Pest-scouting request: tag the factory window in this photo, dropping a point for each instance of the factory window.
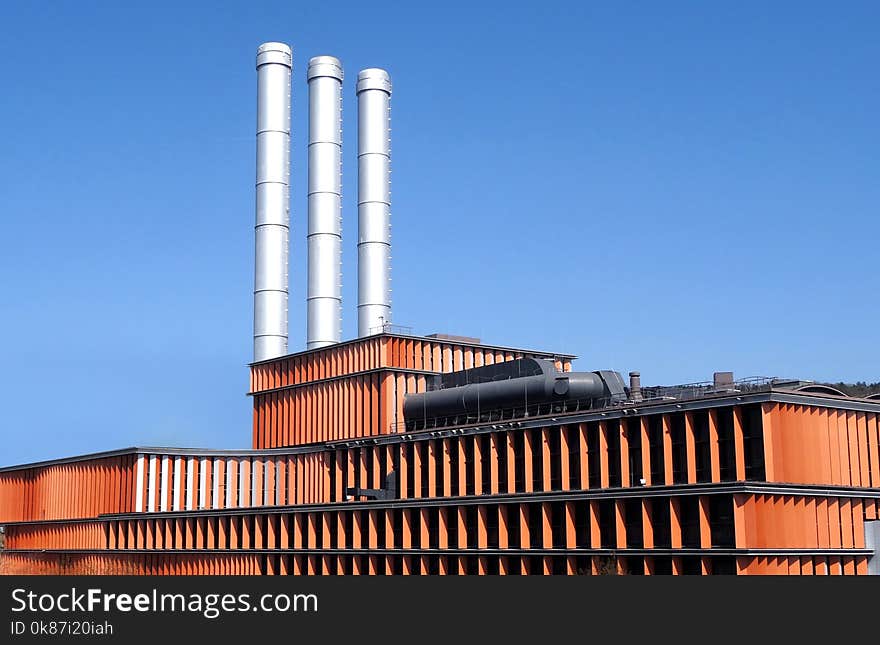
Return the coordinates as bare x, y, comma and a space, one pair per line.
406, 454
721, 520
700, 420
655, 443
469, 466
614, 454
433, 529
486, 461
753, 440
582, 524
557, 524
593, 459
663, 565
724, 566
383, 466
635, 565
679, 449
536, 526
395, 468
513, 520
333, 531
726, 444
471, 524
439, 461
415, 524
633, 522
607, 524
502, 461
633, 438
315, 519
583, 565
381, 529
355, 456
455, 486
691, 566
349, 529
574, 458
424, 457
559, 566
536, 564
492, 526
452, 525
689, 508
519, 461
553, 435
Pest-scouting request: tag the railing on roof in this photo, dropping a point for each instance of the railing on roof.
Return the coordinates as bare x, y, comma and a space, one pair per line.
388, 328
692, 391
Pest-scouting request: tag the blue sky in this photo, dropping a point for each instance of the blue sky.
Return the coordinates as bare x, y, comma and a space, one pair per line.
677, 187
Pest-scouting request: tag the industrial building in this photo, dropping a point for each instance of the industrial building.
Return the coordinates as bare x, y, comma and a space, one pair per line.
394, 453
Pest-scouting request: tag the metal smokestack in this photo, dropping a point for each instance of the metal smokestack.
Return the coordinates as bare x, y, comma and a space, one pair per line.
635, 386
324, 324
374, 200
274, 62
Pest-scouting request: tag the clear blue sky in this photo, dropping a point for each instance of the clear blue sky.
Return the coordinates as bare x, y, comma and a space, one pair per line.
676, 187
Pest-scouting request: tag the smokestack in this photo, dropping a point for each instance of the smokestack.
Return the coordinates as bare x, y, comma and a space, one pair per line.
324, 324
635, 386
274, 62
374, 200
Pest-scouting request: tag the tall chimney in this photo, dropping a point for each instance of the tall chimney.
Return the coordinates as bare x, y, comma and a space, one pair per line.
374, 200
274, 62
324, 324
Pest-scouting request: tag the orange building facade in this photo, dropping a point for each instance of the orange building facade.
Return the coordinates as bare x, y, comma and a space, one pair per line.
755, 480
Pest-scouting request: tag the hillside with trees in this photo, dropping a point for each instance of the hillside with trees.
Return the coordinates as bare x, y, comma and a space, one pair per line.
859, 389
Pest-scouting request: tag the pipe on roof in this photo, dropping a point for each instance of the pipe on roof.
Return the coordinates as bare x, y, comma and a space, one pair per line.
518, 384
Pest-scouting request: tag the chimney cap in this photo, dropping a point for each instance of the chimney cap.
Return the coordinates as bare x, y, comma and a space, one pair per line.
324, 66
374, 78
273, 52
635, 373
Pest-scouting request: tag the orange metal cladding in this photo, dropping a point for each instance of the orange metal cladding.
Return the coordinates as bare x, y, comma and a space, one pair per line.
820, 445
490, 490
68, 490
355, 389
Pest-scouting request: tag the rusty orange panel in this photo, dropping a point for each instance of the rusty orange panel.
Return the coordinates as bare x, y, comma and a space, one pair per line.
873, 449
478, 465
528, 463
862, 448
853, 448
690, 447
771, 441
511, 463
